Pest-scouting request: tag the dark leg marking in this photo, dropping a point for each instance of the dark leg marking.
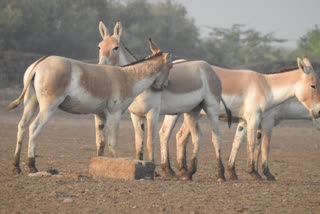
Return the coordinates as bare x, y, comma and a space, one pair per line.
101, 126
16, 168
32, 165
267, 172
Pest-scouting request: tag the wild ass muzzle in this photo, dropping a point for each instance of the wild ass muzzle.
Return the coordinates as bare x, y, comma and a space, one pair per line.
191, 86
79, 88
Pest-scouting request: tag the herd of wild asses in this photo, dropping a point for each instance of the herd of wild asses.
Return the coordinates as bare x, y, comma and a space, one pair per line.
157, 85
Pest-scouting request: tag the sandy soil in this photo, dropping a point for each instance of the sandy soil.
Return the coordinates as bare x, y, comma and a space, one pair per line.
67, 144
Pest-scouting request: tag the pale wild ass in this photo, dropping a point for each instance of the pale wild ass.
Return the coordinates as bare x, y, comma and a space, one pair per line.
288, 110
251, 97
191, 86
55, 82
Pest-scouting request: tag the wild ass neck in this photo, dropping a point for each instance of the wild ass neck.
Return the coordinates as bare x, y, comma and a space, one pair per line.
125, 56
281, 86
142, 74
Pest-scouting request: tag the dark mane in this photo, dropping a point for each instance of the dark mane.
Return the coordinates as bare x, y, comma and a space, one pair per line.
144, 59
125, 47
287, 69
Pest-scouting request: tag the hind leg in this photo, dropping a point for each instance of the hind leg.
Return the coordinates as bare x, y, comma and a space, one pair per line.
191, 120
182, 138
164, 135
30, 106
213, 114
46, 111
138, 125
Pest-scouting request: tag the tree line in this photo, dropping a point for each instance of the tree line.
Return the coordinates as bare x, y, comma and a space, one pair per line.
70, 28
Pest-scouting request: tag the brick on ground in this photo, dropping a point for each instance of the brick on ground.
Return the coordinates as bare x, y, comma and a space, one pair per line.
121, 168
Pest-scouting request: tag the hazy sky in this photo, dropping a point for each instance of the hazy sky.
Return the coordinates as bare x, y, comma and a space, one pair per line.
288, 19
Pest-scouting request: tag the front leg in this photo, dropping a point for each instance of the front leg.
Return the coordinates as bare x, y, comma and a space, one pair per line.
152, 120
266, 137
164, 135
100, 121
252, 128
113, 120
138, 125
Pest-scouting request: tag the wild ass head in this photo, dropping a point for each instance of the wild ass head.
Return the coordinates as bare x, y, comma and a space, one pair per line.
168, 65
308, 92
111, 50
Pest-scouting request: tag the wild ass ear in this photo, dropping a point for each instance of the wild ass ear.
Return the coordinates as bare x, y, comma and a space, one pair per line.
117, 31
307, 63
103, 30
154, 48
303, 66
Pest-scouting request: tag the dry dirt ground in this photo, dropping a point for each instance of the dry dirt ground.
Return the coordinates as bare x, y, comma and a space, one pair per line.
67, 144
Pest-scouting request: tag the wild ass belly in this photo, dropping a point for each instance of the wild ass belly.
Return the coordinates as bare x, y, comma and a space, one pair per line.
144, 102
81, 102
235, 103
179, 103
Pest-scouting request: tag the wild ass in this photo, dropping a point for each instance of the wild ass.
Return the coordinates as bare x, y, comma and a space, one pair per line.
291, 109
191, 86
251, 97
55, 82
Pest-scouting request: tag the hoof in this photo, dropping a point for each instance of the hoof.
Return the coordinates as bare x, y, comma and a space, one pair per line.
16, 170
221, 179
270, 177
185, 176
33, 170
156, 174
256, 176
232, 175
169, 173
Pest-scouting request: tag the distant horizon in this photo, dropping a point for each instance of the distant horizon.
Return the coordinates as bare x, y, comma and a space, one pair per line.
286, 19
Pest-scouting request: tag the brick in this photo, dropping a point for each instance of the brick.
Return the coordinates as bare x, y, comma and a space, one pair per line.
121, 168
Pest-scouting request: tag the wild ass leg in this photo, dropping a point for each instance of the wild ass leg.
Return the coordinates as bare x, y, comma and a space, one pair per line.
46, 111
100, 121
152, 120
113, 120
266, 137
164, 134
239, 138
182, 137
213, 114
138, 125
257, 151
191, 120
252, 127
30, 106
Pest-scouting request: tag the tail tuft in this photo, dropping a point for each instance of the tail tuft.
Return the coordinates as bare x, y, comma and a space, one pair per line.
14, 104
228, 111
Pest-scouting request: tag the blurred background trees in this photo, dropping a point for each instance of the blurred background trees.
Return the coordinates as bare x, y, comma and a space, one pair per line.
70, 28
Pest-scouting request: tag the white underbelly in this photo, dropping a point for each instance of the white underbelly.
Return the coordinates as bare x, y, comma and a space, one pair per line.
234, 103
172, 103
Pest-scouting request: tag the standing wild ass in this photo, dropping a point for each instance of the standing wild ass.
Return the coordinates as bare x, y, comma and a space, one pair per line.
288, 110
55, 82
191, 86
252, 97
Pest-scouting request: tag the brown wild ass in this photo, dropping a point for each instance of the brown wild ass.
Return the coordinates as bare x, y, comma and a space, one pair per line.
252, 97
55, 82
191, 86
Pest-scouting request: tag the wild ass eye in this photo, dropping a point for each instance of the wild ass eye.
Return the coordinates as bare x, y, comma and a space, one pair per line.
313, 86
116, 48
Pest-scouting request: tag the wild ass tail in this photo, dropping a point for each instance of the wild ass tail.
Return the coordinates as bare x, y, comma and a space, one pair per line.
16, 102
228, 111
